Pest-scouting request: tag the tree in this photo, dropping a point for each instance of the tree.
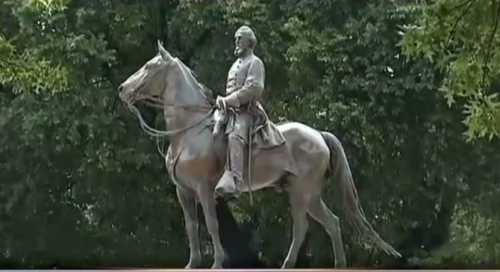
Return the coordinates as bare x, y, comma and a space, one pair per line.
461, 38
25, 70
76, 165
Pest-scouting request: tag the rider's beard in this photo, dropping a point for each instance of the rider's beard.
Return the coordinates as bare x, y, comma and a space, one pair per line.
238, 51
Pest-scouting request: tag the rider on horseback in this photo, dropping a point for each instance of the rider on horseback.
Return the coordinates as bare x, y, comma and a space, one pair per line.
245, 84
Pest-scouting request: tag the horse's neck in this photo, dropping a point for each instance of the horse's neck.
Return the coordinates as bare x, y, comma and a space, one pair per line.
185, 104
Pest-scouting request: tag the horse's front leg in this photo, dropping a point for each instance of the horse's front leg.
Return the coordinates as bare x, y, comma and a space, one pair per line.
207, 201
187, 199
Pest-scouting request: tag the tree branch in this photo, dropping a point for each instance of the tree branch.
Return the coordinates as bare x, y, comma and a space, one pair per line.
452, 31
490, 41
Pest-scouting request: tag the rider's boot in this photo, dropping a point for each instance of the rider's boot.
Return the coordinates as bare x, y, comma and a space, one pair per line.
231, 183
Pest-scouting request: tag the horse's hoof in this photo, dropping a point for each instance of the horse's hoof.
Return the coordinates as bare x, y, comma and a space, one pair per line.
217, 266
192, 264
288, 265
341, 264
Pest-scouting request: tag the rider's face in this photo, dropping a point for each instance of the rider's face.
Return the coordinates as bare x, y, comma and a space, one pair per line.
242, 43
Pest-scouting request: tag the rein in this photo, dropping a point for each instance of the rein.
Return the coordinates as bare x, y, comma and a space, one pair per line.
161, 133
156, 103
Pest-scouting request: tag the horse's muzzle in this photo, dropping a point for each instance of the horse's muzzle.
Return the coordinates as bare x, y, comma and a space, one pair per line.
127, 98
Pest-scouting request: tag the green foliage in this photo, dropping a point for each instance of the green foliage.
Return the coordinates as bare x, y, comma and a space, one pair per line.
462, 39
77, 166
26, 72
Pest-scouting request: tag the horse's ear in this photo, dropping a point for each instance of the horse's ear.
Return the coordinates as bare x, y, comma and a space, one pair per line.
165, 55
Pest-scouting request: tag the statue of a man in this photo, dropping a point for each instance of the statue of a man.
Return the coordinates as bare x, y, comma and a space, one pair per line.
245, 83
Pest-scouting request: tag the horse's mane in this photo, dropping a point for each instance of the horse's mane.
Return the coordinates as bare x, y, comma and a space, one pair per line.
284, 122
206, 91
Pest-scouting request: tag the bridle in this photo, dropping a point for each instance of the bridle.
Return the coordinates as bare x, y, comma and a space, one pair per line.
155, 101
158, 103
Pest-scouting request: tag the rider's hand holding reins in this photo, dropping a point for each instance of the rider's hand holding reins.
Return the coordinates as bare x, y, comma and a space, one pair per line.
220, 104
230, 100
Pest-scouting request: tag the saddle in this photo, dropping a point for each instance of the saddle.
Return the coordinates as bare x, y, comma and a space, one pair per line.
263, 134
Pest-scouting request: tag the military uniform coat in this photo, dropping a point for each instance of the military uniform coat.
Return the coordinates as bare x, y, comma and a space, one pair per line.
245, 84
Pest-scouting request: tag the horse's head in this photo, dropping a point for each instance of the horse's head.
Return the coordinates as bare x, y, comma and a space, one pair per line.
164, 81
150, 80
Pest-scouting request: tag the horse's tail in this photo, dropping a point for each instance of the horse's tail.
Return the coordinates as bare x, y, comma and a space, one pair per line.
339, 167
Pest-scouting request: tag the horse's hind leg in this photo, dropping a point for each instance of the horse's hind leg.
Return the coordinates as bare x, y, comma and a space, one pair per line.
299, 201
320, 212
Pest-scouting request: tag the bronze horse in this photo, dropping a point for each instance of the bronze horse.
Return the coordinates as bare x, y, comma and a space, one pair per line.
195, 164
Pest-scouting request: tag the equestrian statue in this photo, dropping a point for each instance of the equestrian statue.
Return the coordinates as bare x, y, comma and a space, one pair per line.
227, 146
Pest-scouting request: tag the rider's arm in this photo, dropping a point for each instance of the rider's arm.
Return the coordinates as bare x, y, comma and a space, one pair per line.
252, 88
